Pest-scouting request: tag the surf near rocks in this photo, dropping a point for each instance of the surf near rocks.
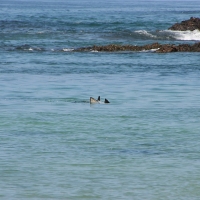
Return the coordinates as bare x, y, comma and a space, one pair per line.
187, 25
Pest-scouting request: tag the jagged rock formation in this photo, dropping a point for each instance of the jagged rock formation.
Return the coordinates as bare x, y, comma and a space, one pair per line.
191, 24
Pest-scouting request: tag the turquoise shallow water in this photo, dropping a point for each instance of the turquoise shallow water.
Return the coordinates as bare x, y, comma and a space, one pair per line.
55, 145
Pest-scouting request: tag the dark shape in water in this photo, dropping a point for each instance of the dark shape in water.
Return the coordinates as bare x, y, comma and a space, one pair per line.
93, 100
106, 101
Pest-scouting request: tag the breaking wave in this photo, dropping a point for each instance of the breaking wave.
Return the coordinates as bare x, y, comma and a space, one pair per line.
185, 35
147, 34
170, 35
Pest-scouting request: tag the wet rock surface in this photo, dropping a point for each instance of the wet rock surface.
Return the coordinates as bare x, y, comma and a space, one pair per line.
191, 25
156, 47
115, 47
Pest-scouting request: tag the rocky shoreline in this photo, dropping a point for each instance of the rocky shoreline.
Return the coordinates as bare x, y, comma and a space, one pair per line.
155, 47
191, 24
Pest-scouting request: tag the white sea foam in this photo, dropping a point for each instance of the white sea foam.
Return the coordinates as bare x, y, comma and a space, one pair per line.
94, 51
169, 34
67, 49
183, 35
145, 33
151, 50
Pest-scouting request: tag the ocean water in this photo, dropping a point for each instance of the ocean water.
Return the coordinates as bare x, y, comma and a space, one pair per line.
145, 144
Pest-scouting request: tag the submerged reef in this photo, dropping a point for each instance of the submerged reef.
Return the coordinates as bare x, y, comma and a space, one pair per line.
155, 47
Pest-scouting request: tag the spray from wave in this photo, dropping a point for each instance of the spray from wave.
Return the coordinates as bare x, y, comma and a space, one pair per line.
170, 35
185, 35
147, 34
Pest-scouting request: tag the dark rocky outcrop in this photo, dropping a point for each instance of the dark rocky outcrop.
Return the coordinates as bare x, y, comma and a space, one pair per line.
115, 47
167, 48
191, 24
159, 48
179, 48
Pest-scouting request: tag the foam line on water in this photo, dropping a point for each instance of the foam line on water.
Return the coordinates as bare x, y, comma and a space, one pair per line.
169, 34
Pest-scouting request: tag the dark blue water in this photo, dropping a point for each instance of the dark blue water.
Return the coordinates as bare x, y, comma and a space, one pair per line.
55, 145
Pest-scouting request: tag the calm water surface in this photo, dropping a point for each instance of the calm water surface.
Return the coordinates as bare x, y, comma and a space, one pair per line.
55, 145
